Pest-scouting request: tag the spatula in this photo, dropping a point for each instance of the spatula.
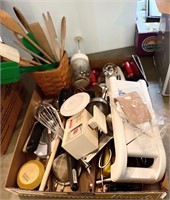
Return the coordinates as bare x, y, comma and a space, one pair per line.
52, 36
9, 52
9, 22
12, 54
40, 36
11, 71
26, 25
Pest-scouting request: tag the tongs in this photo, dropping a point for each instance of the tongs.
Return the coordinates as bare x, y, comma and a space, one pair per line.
138, 63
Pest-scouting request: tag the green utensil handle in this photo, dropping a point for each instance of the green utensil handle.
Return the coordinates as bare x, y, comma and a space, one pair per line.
24, 70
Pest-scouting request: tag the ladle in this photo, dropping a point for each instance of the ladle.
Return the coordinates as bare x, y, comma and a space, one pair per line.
9, 22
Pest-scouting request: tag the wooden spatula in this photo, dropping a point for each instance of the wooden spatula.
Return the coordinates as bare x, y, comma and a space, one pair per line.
9, 52
52, 35
40, 36
9, 22
12, 54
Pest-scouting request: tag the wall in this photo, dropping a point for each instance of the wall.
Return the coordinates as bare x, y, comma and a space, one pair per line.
103, 24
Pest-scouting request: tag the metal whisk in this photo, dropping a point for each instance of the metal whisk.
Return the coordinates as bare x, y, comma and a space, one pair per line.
47, 115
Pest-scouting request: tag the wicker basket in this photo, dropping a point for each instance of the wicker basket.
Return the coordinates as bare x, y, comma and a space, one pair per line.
52, 81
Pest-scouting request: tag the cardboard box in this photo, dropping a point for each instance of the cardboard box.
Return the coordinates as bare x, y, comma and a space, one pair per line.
145, 38
12, 97
153, 191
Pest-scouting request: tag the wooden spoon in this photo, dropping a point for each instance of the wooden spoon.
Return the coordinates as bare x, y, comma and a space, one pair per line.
22, 19
63, 35
9, 22
49, 165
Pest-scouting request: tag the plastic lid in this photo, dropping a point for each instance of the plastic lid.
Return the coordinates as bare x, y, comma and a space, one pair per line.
75, 104
30, 175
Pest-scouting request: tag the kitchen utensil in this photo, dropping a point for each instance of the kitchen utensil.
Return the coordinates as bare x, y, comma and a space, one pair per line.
22, 19
65, 93
27, 44
128, 69
31, 52
46, 144
100, 102
34, 138
60, 168
40, 36
102, 164
49, 164
104, 161
28, 61
12, 54
130, 142
81, 69
63, 35
98, 120
9, 52
11, 72
63, 167
72, 172
46, 114
52, 35
138, 63
25, 24
111, 69
9, 22
75, 104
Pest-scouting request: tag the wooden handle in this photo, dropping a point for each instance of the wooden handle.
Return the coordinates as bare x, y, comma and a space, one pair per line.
40, 36
36, 46
31, 52
49, 165
29, 61
63, 35
24, 64
52, 36
22, 19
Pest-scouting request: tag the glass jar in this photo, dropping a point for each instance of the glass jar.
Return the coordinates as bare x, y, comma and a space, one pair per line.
81, 70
